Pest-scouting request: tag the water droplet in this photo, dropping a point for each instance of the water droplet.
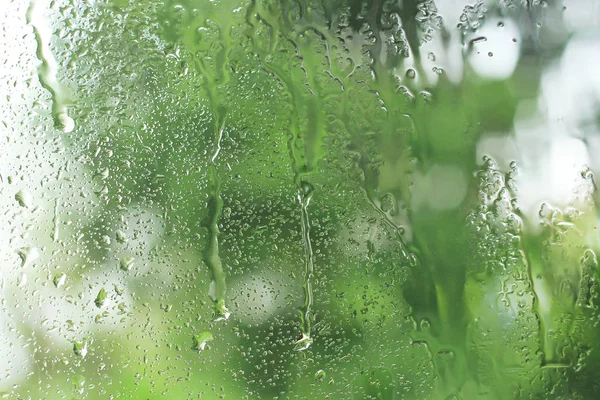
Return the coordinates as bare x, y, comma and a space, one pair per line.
586, 173
65, 123
22, 279
201, 340
411, 74
127, 263
413, 261
303, 343
121, 237
221, 312
28, 255
59, 280
78, 382
589, 259
477, 40
24, 198
80, 348
101, 298
320, 375
306, 188
48, 68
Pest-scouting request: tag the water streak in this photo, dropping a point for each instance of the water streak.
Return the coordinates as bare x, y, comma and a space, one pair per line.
212, 258
48, 68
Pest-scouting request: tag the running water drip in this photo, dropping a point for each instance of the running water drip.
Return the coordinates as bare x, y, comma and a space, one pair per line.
218, 286
306, 123
304, 196
48, 67
214, 75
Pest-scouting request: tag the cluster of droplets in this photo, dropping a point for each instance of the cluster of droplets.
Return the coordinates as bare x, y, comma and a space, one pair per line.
498, 211
428, 19
339, 115
497, 275
472, 18
589, 290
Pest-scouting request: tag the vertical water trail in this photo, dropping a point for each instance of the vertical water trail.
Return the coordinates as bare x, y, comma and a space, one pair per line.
218, 286
305, 192
48, 67
56, 221
304, 196
304, 142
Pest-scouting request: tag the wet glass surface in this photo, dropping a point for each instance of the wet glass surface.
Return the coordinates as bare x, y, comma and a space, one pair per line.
297, 199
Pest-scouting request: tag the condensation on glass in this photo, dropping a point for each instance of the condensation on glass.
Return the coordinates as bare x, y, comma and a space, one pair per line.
298, 199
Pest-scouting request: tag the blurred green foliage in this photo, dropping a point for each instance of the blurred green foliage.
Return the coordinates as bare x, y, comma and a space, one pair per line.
411, 298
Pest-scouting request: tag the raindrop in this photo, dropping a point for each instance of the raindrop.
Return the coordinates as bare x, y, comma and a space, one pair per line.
201, 340
101, 299
303, 343
28, 255
59, 280
127, 263
24, 198
80, 348
320, 375
121, 237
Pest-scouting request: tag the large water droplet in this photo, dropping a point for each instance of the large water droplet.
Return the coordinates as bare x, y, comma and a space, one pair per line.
201, 340
24, 198
127, 263
80, 348
101, 299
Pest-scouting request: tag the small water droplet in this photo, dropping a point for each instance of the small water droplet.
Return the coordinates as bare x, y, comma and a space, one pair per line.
413, 261
411, 74
477, 40
586, 173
